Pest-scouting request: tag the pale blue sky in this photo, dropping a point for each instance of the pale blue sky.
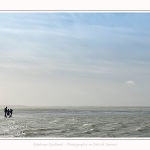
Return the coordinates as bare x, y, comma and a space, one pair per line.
61, 59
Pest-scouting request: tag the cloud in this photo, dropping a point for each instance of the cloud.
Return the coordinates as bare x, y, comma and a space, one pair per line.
130, 82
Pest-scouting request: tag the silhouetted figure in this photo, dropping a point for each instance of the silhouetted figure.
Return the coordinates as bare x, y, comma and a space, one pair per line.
10, 112
5, 110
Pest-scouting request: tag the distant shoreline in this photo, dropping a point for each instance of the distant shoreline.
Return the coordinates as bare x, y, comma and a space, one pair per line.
24, 106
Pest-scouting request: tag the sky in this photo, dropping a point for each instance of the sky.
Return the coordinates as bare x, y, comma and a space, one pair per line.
74, 59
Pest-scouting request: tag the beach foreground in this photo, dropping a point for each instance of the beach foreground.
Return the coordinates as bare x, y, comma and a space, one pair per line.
77, 122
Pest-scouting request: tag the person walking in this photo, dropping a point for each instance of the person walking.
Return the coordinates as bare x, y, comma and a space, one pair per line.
10, 112
5, 110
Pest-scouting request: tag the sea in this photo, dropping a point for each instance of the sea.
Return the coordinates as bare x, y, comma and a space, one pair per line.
76, 122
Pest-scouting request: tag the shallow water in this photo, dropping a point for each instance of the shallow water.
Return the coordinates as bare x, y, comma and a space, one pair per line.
77, 122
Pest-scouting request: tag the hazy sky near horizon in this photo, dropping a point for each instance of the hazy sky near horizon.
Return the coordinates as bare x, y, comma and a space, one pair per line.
75, 59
